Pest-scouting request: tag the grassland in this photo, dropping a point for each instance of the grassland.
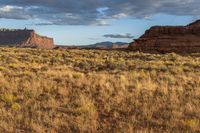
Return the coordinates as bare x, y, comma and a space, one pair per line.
98, 91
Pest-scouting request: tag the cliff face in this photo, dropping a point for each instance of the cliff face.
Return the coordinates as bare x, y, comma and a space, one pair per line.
24, 38
36, 40
164, 39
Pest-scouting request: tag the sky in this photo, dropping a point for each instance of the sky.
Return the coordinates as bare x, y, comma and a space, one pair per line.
82, 22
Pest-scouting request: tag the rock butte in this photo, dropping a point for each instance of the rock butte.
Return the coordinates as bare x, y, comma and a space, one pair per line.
165, 39
24, 38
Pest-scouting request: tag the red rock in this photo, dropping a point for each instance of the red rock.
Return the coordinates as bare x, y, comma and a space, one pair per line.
24, 38
164, 39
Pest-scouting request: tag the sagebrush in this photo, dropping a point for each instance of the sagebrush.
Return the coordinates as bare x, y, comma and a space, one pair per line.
98, 91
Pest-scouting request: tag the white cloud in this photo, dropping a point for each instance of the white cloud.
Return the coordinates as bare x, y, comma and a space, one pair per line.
9, 8
122, 35
120, 15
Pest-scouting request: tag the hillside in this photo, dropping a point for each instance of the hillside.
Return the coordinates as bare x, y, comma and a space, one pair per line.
98, 91
101, 45
106, 45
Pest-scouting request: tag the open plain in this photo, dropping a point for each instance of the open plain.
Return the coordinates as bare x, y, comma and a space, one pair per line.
98, 91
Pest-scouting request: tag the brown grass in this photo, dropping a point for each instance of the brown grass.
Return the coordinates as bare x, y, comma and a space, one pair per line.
98, 91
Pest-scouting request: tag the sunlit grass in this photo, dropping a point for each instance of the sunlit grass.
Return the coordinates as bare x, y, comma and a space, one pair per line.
98, 91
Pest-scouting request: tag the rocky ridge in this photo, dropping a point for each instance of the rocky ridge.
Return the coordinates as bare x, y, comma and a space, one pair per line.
165, 39
24, 38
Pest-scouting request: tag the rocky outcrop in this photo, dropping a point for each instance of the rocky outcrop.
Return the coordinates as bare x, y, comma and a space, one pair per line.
24, 38
164, 39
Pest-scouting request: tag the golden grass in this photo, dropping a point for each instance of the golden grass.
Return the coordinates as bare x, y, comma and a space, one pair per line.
98, 91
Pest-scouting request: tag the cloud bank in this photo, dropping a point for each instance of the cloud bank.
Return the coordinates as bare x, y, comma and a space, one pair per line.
93, 12
127, 36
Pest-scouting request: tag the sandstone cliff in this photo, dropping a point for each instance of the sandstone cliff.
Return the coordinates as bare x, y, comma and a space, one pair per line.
164, 39
24, 38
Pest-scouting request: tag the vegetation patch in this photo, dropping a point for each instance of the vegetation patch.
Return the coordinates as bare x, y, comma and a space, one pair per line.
98, 91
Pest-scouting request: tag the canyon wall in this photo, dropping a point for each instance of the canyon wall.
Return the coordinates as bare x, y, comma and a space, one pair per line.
24, 38
164, 39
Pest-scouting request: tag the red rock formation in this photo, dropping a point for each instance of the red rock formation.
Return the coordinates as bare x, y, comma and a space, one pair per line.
24, 38
164, 39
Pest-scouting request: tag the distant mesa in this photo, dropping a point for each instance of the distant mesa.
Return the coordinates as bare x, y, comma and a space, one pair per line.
99, 45
165, 39
24, 38
106, 45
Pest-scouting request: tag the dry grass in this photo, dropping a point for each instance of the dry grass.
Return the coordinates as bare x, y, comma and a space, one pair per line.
98, 91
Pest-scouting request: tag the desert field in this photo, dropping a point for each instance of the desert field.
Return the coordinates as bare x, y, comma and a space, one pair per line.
98, 91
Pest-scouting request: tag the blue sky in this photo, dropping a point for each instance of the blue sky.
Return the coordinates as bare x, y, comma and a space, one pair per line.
88, 26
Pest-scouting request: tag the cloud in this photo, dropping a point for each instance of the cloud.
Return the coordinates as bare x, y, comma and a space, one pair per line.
127, 35
93, 12
13, 12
